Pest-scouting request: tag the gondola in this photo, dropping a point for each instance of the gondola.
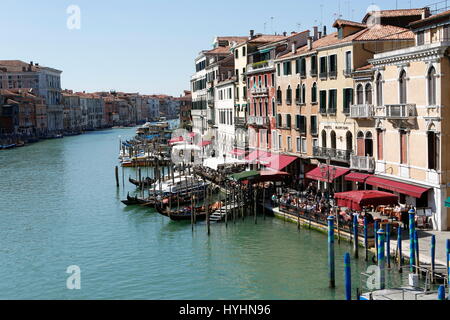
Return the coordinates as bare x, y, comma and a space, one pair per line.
185, 214
147, 182
134, 201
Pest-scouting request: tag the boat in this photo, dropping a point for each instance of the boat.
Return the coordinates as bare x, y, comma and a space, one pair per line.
8, 146
147, 182
134, 201
181, 185
185, 214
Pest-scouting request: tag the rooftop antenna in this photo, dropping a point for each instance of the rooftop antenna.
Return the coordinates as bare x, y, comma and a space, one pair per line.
265, 25
299, 25
271, 25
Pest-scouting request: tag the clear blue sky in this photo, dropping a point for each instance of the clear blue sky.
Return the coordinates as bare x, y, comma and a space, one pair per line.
149, 46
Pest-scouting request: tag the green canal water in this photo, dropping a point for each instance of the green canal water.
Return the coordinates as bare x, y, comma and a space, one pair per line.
60, 207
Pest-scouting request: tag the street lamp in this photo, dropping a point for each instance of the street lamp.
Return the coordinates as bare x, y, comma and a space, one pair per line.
329, 174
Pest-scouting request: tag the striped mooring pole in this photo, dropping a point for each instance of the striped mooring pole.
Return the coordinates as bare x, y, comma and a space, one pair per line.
411, 240
433, 256
388, 245
366, 240
348, 277
375, 233
331, 262
400, 249
381, 259
355, 236
441, 293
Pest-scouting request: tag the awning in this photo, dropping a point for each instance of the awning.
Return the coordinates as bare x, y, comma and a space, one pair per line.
175, 140
272, 176
400, 187
246, 175
204, 143
357, 177
256, 155
357, 200
447, 203
192, 134
334, 173
237, 152
279, 162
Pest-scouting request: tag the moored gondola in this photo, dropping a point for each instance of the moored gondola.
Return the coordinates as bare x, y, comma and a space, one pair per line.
134, 201
146, 183
185, 214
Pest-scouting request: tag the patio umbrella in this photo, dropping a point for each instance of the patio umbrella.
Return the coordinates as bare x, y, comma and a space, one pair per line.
356, 200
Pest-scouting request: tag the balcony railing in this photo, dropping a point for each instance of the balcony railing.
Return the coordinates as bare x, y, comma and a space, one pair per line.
362, 163
258, 121
239, 121
397, 111
333, 154
313, 73
362, 111
268, 64
302, 73
331, 110
332, 74
259, 91
323, 75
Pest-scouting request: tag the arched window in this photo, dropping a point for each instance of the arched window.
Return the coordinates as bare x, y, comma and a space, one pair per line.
379, 85
349, 141
333, 140
274, 110
314, 93
360, 144
303, 99
324, 139
368, 93
297, 95
402, 87
359, 94
279, 121
369, 144
289, 95
431, 82
288, 121
279, 95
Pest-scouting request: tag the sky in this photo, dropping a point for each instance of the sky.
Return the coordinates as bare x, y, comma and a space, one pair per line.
149, 46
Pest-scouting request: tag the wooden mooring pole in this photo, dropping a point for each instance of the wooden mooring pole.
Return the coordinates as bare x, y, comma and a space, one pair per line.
331, 262
117, 176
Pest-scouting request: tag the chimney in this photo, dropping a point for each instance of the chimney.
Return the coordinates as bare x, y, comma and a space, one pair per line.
294, 46
252, 34
320, 35
31, 63
324, 31
310, 42
293, 32
316, 33
285, 33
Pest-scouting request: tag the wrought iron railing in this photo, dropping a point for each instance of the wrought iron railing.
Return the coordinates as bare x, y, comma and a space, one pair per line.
362, 163
362, 111
333, 154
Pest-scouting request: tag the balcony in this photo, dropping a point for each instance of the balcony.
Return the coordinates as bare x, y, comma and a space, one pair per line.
332, 111
362, 111
362, 163
260, 92
258, 121
303, 74
332, 74
323, 75
239, 121
333, 154
260, 66
313, 73
397, 111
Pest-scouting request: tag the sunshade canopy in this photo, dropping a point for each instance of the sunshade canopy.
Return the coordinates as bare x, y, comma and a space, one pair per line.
246, 175
357, 200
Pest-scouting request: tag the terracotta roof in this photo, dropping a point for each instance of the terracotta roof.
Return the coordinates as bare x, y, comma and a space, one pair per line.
376, 32
233, 39
219, 50
341, 22
17, 65
431, 19
265, 38
397, 13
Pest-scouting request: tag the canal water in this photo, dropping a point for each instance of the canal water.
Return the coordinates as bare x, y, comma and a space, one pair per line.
60, 207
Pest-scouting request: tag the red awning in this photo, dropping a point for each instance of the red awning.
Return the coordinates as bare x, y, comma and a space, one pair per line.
192, 134
335, 172
357, 177
237, 152
279, 162
400, 187
357, 200
204, 143
175, 140
256, 155
269, 175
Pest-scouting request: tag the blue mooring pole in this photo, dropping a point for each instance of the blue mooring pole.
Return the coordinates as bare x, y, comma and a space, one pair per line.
433, 256
355, 236
366, 240
388, 245
400, 249
441, 293
416, 248
331, 262
375, 233
348, 277
448, 263
411, 240
381, 259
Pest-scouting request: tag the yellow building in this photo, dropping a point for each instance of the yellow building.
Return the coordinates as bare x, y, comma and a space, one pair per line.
411, 100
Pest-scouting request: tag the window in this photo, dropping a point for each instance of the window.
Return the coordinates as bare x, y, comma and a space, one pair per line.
379, 85
243, 51
314, 93
302, 68
279, 121
402, 87
236, 54
447, 33
348, 99
303, 149
265, 81
280, 142
359, 94
420, 38
303, 95
324, 139
433, 150
289, 95
303, 124
297, 122
278, 70
431, 83
380, 144
289, 143
299, 148
368, 94
332, 101
279, 95
288, 121
297, 94
273, 79
403, 147
315, 143
313, 125
333, 65
274, 111
287, 68
348, 62
323, 67
313, 65
323, 101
